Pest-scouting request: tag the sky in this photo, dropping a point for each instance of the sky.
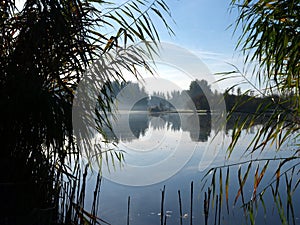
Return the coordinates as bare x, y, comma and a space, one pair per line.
201, 25
203, 28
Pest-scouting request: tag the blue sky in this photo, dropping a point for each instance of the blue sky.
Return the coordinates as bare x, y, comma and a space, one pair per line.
202, 27
202, 24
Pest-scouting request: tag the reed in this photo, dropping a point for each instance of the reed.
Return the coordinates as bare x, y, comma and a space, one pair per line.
162, 205
216, 210
180, 207
128, 210
191, 203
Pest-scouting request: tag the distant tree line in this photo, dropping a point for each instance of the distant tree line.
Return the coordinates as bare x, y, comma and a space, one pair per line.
202, 97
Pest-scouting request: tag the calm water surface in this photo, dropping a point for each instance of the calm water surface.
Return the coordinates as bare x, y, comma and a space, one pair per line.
172, 150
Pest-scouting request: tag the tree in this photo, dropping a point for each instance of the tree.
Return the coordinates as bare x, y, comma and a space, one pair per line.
199, 92
45, 49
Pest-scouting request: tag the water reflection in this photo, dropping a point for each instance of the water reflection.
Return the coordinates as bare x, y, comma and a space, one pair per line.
199, 126
138, 124
182, 133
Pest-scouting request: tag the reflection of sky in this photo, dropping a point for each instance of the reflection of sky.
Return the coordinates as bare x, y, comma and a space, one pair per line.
156, 145
160, 144
159, 152
145, 201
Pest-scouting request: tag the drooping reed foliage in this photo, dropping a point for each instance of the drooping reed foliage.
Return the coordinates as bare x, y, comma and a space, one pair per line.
46, 47
269, 40
268, 36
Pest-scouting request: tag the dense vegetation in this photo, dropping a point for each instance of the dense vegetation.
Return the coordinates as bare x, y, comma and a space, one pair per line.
269, 40
46, 49
199, 92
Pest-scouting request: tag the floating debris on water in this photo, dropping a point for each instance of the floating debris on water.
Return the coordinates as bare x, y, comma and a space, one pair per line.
168, 213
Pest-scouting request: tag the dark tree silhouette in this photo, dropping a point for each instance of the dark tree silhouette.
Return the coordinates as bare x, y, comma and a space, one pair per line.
199, 91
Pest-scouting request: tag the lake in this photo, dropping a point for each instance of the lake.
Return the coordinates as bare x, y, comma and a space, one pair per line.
172, 150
